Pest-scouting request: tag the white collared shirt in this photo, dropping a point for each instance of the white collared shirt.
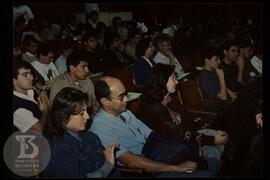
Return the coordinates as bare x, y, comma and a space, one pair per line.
148, 61
24, 119
256, 63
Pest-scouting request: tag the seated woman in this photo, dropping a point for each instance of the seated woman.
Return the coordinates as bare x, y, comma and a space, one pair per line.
144, 64
160, 112
74, 151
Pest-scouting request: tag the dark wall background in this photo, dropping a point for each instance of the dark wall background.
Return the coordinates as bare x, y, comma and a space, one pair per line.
164, 10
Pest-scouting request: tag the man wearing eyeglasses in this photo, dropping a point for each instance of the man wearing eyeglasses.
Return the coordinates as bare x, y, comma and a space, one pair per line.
115, 124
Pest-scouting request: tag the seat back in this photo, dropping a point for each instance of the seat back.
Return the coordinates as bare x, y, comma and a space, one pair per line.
125, 75
190, 95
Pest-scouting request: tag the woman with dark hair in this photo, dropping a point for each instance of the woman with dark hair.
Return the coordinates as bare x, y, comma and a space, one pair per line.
160, 112
144, 63
74, 151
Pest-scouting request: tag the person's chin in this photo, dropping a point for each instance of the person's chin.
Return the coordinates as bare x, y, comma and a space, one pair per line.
124, 109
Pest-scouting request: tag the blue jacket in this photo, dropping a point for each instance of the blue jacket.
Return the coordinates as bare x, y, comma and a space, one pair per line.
71, 157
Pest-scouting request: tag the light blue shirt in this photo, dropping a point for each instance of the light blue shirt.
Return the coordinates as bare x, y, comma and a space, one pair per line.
131, 135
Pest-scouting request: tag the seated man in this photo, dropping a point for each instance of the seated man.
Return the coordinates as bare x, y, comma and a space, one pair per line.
27, 112
211, 78
165, 55
77, 77
30, 45
113, 123
230, 67
44, 68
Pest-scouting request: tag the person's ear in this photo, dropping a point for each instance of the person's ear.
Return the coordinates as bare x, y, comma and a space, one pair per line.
104, 101
72, 68
14, 82
225, 52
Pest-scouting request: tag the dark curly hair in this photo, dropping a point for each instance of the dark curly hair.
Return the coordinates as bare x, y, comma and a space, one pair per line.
156, 88
142, 47
66, 103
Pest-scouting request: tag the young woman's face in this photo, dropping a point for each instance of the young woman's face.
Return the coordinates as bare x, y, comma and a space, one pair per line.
78, 122
171, 84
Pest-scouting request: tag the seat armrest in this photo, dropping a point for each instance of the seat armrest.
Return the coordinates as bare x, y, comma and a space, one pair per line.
206, 118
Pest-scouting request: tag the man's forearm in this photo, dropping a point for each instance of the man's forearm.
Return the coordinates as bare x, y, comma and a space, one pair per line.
223, 89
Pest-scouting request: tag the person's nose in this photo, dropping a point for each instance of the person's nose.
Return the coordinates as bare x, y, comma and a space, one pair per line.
86, 115
86, 69
125, 99
30, 77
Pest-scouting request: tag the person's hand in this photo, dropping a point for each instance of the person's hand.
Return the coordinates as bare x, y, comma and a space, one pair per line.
109, 153
219, 71
221, 137
167, 98
169, 54
43, 102
233, 96
259, 120
240, 62
186, 166
43, 87
17, 51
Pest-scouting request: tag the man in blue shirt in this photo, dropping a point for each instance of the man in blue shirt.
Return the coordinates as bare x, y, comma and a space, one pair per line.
114, 124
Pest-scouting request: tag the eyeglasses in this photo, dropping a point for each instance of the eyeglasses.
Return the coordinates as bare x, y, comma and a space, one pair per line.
120, 97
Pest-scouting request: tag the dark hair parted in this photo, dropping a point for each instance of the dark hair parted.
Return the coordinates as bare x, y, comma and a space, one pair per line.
44, 48
163, 38
227, 45
66, 103
142, 47
88, 35
75, 57
18, 64
28, 39
210, 51
156, 88
109, 37
102, 90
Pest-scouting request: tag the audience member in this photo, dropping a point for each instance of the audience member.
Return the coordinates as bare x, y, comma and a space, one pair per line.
144, 63
113, 123
77, 77
66, 49
134, 37
165, 55
30, 45
74, 151
28, 113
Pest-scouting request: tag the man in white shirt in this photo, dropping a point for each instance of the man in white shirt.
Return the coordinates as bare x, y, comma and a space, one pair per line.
27, 112
44, 65
165, 55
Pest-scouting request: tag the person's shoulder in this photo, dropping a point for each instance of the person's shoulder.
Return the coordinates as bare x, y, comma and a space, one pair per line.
62, 77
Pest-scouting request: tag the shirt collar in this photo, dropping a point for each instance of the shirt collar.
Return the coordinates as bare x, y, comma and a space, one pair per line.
29, 96
104, 113
148, 61
29, 54
74, 134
